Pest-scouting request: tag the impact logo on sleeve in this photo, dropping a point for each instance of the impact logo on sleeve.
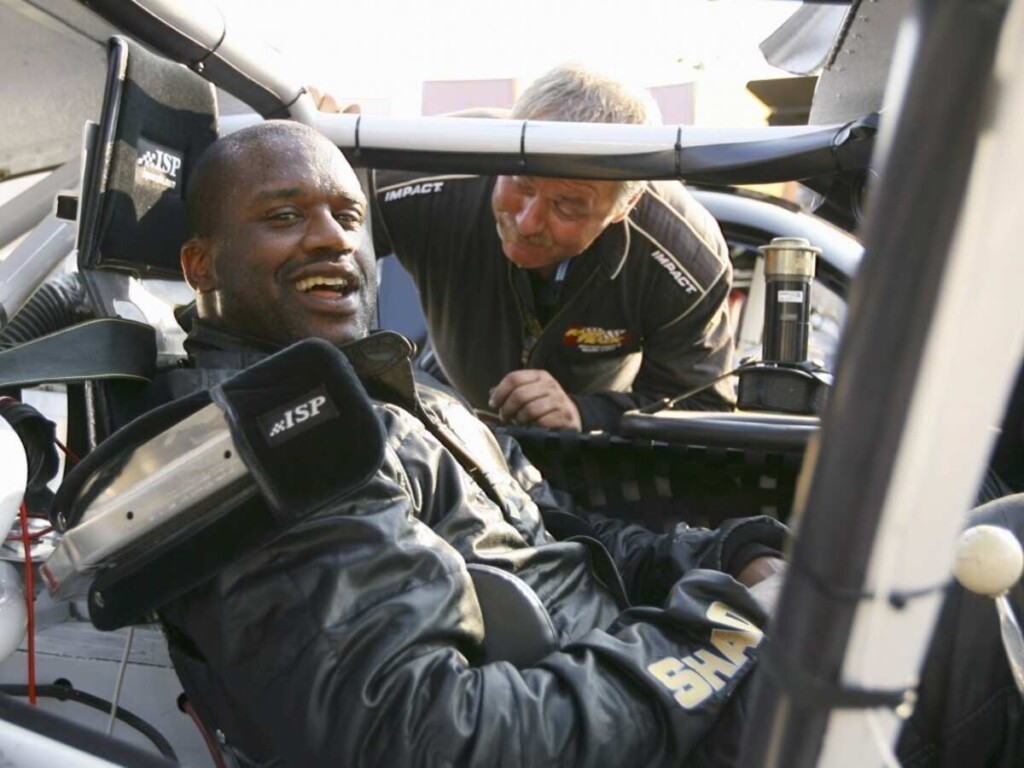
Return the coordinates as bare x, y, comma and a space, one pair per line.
672, 267
423, 188
158, 165
695, 677
298, 416
590, 338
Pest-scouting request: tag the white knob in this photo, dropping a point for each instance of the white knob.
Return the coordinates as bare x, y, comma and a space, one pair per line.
989, 560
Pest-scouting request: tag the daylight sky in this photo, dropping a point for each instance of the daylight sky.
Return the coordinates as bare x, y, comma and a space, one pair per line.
385, 49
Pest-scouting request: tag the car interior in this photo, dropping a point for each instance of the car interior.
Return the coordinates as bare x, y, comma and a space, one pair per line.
663, 468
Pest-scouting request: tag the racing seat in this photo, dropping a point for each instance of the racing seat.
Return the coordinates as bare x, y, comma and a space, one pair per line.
105, 329
157, 118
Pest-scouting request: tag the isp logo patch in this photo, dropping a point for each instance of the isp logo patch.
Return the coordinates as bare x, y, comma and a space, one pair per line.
158, 166
301, 415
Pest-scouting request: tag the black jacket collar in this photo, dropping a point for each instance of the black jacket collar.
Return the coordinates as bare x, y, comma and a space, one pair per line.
382, 359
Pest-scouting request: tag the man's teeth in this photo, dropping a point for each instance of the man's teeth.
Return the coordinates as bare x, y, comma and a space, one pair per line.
309, 283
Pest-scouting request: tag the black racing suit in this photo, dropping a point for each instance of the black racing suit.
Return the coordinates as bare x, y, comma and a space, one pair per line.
642, 313
969, 711
355, 638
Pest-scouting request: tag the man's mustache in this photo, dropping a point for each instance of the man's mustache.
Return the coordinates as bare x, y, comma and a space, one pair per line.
510, 226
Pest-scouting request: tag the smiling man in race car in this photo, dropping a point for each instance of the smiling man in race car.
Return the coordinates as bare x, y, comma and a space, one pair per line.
357, 637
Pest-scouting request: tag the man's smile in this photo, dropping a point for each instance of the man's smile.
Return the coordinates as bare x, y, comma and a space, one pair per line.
328, 286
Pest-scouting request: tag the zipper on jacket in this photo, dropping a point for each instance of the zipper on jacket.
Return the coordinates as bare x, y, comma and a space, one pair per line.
527, 355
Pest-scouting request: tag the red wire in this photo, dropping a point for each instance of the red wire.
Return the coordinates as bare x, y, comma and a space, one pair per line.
30, 587
35, 536
211, 745
30, 598
67, 452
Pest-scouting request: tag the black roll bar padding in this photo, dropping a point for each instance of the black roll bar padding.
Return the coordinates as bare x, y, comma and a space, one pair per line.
827, 151
135, 19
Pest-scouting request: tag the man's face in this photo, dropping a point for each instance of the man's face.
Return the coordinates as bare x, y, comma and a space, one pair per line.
544, 221
291, 255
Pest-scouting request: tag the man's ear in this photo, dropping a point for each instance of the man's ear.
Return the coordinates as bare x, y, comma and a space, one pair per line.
627, 206
197, 265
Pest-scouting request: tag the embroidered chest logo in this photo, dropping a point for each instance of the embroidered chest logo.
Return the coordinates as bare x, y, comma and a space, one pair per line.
425, 188
590, 338
298, 416
157, 166
674, 269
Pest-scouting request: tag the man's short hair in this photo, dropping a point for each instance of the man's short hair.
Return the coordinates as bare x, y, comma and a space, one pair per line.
571, 93
212, 175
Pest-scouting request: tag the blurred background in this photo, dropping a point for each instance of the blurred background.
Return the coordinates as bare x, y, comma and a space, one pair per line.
400, 58
700, 59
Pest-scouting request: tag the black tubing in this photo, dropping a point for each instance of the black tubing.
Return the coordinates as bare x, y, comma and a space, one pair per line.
64, 691
59, 303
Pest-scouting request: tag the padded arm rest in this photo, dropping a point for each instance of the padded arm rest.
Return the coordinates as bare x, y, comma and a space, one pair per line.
741, 430
181, 492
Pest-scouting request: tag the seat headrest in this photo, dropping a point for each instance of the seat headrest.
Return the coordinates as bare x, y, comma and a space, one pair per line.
157, 118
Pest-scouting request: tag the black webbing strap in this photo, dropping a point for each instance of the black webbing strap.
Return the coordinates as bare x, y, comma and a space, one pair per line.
106, 348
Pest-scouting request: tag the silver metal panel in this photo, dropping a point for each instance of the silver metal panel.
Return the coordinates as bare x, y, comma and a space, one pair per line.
162, 487
53, 59
145, 300
23, 212
52, 55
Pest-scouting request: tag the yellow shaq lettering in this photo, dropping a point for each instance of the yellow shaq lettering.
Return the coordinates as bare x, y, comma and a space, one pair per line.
712, 667
696, 676
690, 688
720, 613
732, 644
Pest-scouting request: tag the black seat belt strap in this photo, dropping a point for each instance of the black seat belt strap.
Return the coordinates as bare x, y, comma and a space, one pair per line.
105, 348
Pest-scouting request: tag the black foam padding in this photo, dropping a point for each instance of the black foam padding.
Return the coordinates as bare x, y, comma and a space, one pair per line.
304, 426
155, 124
38, 437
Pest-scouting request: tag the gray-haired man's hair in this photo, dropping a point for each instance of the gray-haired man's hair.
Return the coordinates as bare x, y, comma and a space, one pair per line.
570, 93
